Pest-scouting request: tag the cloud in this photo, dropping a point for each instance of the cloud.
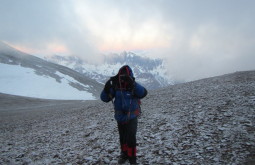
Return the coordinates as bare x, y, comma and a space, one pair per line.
120, 27
211, 50
196, 38
45, 27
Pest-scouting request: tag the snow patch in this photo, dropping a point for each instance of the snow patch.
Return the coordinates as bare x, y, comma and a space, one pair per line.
22, 81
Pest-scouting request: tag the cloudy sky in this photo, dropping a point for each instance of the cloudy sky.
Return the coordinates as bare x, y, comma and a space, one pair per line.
197, 38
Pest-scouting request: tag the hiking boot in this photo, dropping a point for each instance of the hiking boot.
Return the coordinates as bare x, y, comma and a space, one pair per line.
132, 160
123, 158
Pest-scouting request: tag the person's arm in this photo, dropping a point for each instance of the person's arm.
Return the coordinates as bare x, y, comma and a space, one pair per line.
107, 94
139, 91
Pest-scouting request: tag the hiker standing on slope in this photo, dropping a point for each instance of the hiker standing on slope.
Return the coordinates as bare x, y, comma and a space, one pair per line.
126, 93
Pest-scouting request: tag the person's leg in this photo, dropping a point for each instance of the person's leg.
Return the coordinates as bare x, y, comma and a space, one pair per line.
122, 128
131, 140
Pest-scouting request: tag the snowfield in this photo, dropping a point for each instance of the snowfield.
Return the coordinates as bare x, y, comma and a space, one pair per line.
26, 75
18, 80
210, 121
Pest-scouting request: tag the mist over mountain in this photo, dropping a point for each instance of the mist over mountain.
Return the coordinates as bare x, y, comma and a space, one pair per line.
27, 75
149, 72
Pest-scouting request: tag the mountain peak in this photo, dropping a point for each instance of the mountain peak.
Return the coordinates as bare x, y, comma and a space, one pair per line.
149, 72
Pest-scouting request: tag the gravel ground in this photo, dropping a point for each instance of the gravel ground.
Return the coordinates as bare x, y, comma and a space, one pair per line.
210, 121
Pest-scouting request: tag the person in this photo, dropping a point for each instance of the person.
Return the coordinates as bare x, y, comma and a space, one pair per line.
126, 93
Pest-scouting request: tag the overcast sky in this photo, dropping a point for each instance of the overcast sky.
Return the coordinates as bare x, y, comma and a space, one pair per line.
197, 38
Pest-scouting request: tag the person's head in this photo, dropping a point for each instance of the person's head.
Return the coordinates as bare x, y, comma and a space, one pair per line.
125, 76
125, 71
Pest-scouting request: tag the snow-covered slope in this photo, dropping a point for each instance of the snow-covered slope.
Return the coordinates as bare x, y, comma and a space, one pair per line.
149, 72
18, 80
26, 75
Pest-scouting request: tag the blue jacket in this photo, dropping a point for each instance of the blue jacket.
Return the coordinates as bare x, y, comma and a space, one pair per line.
126, 103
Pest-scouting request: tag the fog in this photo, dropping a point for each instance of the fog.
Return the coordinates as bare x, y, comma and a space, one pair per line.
196, 38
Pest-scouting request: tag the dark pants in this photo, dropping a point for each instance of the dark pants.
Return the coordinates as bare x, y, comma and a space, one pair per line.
127, 133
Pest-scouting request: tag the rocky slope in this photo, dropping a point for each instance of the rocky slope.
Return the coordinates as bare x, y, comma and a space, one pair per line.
210, 121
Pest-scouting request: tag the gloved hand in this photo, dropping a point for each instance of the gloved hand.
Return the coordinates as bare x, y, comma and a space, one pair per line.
108, 86
131, 82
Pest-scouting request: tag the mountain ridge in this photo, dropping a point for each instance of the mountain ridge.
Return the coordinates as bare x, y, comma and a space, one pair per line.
149, 72
13, 57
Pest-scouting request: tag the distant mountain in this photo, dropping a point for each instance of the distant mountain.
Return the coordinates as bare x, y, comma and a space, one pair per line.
27, 75
149, 72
